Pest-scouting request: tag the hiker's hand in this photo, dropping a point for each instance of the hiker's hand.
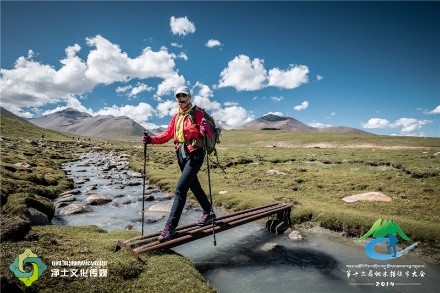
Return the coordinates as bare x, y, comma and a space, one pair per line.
204, 127
146, 139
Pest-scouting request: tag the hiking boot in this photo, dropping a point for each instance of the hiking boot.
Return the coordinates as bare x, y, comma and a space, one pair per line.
207, 218
167, 233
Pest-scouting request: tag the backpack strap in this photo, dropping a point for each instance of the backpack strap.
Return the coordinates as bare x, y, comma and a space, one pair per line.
192, 116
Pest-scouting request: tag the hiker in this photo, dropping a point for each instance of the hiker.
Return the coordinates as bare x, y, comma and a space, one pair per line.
188, 141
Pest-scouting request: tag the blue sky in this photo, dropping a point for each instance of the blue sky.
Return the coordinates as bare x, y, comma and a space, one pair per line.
369, 65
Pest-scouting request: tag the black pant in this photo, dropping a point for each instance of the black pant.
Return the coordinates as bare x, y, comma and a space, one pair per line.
190, 165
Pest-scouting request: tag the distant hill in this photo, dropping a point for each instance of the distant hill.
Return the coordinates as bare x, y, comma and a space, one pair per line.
6, 113
275, 122
83, 124
15, 127
342, 130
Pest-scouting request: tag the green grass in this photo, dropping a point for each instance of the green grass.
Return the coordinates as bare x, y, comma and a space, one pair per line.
315, 179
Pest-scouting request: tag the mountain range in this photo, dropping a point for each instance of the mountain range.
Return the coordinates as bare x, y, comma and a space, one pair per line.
106, 126
275, 122
83, 124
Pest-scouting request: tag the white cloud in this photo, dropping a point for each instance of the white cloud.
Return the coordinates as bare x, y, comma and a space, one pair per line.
289, 79
131, 91
169, 85
435, 111
107, 63
140, 113
410, 124
181, 26
246, 75
376, 123
213, 43
304, 105
407, 125
277, 99
228, 104
319, 77
243, 74
317, 124
177, 45
233, 116
182, 56
32, 84
276, 113
73, 103
167, 108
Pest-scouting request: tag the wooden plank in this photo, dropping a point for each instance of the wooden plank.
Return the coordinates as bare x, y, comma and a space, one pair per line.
193, 232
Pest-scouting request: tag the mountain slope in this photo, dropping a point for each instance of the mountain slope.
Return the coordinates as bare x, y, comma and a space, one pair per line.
342, 130
79, 123
6, 113
274, 122
61, 120
15, 127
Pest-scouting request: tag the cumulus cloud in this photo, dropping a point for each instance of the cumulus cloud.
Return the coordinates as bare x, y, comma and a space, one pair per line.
181, 26
304, 105
182, 56
229, 115
290, 78
134, 91
317, 124
107, 63
213, 43
140, 113
435, 111
407, 125
168, 85
376, 123
73, 103
410, 124
227, 104
167, 108
319, 77
276, 113
33, 84
244, 74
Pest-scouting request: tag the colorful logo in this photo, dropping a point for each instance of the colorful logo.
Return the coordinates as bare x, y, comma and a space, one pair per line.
17, 267
385, 232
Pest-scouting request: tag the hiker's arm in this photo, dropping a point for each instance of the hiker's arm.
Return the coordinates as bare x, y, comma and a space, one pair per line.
164, 136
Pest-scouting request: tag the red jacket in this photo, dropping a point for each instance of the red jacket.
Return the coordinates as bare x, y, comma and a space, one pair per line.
190, 131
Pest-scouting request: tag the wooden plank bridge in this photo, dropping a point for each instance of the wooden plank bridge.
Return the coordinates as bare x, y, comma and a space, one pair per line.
191, 232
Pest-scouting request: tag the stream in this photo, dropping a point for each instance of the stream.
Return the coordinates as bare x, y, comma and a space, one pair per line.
247, 258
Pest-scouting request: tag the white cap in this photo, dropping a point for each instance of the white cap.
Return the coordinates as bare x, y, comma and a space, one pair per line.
182, 90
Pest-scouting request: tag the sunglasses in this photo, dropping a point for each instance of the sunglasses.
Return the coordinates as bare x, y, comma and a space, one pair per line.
181, 96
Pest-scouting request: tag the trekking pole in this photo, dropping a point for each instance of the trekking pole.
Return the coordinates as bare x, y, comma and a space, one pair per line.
209, 185
143, 185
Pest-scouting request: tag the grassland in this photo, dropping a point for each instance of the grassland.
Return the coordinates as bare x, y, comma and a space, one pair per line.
315, 171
